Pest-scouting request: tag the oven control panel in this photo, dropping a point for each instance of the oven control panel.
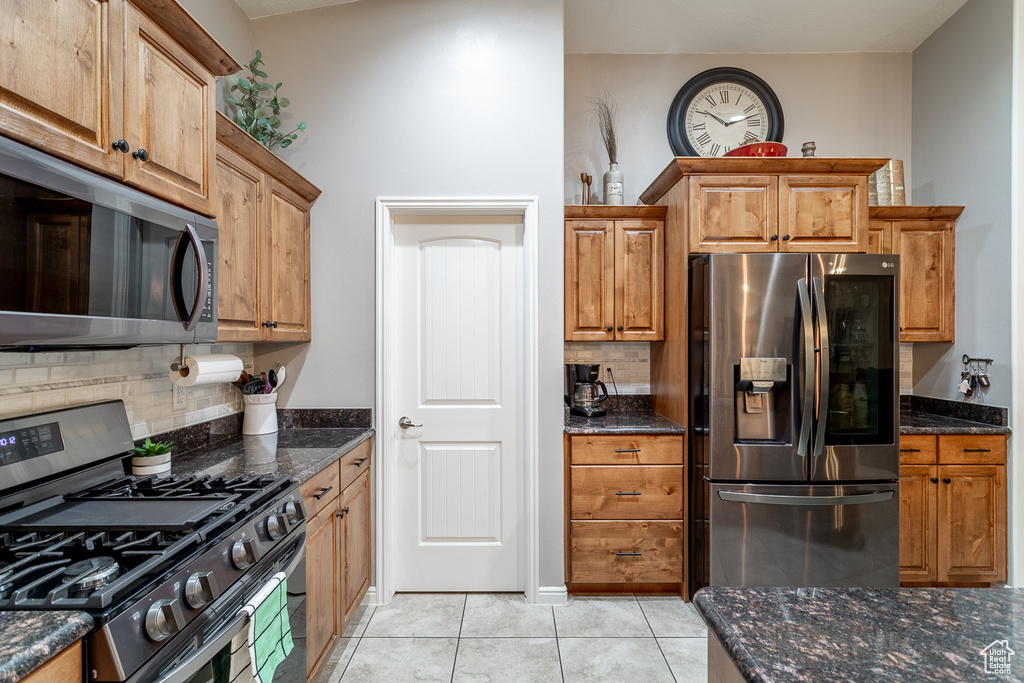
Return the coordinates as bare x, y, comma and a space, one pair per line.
30, 442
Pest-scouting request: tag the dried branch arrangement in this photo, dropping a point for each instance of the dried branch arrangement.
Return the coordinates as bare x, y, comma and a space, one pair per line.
605, 110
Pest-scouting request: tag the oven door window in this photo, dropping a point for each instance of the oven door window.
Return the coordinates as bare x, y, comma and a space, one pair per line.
217, 670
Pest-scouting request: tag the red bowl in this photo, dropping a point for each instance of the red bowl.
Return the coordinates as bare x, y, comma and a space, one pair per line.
759, 149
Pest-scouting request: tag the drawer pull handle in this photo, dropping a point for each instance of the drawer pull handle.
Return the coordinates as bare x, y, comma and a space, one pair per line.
631, 554
323, 492
910, 450
977, 450
360, 461
628, 493
627, 450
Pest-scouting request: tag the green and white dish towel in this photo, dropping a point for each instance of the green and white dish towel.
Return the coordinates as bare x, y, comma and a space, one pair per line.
270, 633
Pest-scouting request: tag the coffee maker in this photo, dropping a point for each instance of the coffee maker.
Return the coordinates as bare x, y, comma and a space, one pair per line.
584, 391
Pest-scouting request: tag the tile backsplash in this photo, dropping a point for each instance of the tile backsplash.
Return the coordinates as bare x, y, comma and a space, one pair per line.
906, 368
630, 363
36, 382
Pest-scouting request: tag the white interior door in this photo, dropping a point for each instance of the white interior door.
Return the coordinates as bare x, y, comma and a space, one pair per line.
458, 476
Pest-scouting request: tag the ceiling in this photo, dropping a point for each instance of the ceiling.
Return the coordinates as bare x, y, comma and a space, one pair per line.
695, 26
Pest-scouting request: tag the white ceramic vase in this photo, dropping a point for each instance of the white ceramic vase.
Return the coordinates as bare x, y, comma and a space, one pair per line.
148, 465
613, 185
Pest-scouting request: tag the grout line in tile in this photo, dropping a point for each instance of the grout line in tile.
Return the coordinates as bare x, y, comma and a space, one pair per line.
558, 646
458, 640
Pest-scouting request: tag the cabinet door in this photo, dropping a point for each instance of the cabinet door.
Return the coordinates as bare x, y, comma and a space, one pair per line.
321, 578
639, 280
823, 213
879, 237
733, 214
240, 216
168, 112
287, 244
61, 78
356, 508
589, 280
972, 523
918, 499
926, 279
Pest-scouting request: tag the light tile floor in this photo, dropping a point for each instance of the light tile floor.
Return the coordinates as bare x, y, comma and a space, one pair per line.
497, 637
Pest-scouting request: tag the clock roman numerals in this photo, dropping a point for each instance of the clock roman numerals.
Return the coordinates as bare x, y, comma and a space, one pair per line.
714, 150
700, 126
748, 136
723, 95
749, 109
703, 139
754, 122
711, 100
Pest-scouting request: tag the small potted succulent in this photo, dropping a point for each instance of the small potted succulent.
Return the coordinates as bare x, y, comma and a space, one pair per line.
152, 457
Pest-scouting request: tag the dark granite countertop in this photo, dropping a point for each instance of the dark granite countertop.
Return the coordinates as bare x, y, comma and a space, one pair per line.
622, 422
297, 453
864, 634
29, 639
914, 422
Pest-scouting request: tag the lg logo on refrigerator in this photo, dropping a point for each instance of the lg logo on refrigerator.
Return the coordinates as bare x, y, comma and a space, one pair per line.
888, 264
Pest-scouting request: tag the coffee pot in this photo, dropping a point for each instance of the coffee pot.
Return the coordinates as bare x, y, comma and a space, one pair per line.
584, 391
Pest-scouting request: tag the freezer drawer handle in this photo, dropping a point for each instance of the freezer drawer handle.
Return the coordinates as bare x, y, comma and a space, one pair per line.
629, 554
628, 493
627, 450
773, 499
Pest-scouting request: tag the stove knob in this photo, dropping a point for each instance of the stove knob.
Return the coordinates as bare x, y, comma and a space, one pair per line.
244, 553
277, 526
201, 589
294, 512
164, 619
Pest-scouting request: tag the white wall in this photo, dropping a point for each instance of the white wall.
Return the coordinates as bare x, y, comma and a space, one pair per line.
226, 22
961, 147
405, 98
850, 104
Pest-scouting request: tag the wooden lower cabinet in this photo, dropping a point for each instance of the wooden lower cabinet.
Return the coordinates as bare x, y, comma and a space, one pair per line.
66, 667
337, 551
953, 510
625, 496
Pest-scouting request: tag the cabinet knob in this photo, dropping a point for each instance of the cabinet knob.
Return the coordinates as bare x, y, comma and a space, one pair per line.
609, 328
775, 238
946, 480
121, 145
935, 480
274, 324
620, 328
141, 154
785, 238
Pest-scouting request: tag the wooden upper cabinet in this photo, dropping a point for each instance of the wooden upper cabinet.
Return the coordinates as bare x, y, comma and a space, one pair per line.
60, 78
78, 76
927, 271
589, 280
823, 213
240, 189
733, 214
614, 273
263, 289
169, 114
287, 299
879, 237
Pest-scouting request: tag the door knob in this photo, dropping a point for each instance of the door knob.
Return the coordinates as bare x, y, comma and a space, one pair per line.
405, 423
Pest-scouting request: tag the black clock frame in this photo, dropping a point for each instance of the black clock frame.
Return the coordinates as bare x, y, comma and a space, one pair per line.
723, 74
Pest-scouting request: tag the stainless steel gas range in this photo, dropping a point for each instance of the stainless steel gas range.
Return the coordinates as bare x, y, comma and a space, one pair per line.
163, 565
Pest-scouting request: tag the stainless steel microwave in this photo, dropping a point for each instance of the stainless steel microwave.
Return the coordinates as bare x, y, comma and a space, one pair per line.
87, 261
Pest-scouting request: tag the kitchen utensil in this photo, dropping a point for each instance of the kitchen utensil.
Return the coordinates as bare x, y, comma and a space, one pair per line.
280, 371
272, 378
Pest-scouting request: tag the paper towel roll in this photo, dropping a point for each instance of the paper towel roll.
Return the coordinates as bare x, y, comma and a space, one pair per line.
214, 369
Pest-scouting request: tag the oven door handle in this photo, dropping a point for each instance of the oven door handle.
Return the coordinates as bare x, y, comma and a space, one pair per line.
198, 659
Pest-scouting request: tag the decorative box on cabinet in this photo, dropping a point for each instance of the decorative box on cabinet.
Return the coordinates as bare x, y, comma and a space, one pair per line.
624, 510
81, 76
923, 236
614, 273
337, 500
263, 291
953, 516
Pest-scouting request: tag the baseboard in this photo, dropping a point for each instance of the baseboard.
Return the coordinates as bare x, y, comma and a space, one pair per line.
552, 595
371, 597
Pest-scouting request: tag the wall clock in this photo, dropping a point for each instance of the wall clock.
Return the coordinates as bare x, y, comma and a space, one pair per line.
719, 109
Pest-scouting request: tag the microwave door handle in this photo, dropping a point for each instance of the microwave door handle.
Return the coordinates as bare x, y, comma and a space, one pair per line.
807, 330
824, 360
186, 237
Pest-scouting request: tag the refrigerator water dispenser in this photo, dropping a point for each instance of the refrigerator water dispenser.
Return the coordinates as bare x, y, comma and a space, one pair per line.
762, 400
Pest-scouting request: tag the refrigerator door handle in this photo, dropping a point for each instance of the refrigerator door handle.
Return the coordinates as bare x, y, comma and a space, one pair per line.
823, 372
773, 499
803, 293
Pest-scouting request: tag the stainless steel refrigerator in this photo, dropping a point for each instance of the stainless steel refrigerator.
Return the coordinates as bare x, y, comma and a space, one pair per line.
794, 372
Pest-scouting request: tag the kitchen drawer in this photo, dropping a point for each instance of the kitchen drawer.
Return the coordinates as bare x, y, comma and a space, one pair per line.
972, 449
354, 463
324, 484
596, 552
631, 449
918, 449
634, 492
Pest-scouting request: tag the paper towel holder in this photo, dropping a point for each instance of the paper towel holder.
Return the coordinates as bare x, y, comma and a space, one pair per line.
179, 365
